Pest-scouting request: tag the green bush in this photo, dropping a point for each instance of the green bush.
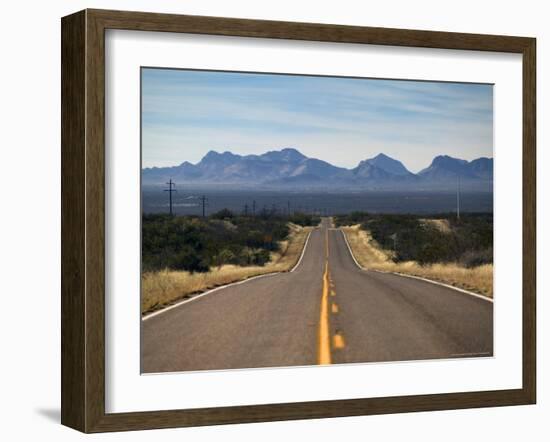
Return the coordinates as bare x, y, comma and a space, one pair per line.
474, 258
223, 214
411, 238
188, 259
261, 257
226, 256
195, 244
303, 219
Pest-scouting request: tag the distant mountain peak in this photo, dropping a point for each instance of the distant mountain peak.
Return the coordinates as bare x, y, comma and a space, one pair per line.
211, 154
288, 168
214, 153
287, 154
444, 167
486, 160
292, 150
387, 164
440, 158
381, 156
214, 156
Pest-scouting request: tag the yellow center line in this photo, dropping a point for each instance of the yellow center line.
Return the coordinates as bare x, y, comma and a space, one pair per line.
324, 332
338, 341
324, 356
335, 308
326, 244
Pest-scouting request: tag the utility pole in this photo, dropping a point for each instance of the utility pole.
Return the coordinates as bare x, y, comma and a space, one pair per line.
170, 189
458, 197
204, 201
394, 237
253, 207
246, 210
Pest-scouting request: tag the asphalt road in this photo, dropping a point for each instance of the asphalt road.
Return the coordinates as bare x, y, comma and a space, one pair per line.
327, 311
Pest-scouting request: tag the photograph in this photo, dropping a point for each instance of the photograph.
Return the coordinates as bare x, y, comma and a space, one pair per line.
293, 220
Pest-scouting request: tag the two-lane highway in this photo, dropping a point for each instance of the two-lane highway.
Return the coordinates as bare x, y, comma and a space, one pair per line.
326, 311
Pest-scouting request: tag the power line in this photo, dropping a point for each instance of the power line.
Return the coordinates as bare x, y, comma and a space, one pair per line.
170, 190
458, 197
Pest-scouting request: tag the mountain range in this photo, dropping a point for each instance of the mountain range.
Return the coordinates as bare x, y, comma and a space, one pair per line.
287, 169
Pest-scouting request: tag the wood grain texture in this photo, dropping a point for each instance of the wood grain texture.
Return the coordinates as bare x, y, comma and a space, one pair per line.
73, 253
95, 221
144, 21
83, 219
529, 220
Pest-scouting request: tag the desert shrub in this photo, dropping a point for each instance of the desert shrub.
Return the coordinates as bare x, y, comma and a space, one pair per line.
475, 258
350, 219
195, 244
304, 220
260, 257
410, 238
222, 214
188, 259
225, 256
252, 257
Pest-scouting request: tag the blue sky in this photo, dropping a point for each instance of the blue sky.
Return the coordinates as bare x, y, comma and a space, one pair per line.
340, 120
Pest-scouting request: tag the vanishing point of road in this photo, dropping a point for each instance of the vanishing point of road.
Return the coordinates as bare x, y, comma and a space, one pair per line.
327, 311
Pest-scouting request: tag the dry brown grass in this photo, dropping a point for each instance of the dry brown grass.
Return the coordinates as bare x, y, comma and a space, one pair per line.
370, 256
162, 288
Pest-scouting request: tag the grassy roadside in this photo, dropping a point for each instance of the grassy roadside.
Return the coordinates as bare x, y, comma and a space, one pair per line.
371, 256
162, 288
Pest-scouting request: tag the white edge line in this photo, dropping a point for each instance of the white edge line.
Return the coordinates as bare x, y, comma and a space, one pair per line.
350, 251
431, 281
303, 252
467, 292
194, 298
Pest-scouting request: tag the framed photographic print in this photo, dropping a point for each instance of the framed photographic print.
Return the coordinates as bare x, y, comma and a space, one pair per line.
270, 220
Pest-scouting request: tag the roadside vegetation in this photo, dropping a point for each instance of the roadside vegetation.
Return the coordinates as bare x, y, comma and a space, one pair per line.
183, 256
439, 247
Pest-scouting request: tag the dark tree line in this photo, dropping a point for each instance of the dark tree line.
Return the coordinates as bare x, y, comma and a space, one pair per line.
197, 244
469, 240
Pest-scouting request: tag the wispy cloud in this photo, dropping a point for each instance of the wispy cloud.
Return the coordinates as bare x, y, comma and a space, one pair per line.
341, 120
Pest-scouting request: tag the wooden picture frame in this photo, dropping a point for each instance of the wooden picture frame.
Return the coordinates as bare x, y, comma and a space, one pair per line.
83, 220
